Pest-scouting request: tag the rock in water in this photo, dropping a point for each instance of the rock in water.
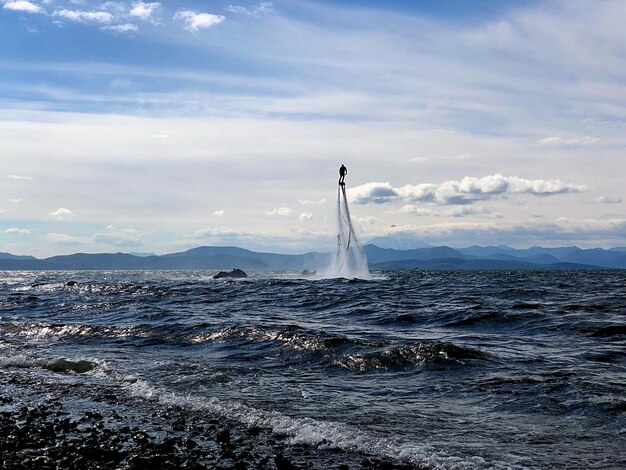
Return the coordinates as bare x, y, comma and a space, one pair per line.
235, 273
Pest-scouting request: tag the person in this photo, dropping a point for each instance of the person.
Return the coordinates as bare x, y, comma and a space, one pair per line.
343, 171
338, 239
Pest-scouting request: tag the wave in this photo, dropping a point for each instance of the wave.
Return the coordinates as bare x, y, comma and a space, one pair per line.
402, 319
473, 319
43, 330
305, 430
409, 355
59, 364
290, 337
293, 343
612, 330
46, 330
309, 431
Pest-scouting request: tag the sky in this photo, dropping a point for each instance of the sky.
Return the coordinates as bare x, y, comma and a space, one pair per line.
154, 127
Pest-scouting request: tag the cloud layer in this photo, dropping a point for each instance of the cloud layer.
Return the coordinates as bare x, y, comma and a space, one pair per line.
160, 115
465, 191
563, 230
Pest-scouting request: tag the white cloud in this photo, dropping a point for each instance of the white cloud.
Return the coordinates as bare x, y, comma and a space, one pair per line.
306, 202
468, 211
369, 220
102, 17
23, 5
520, 233
64, 239
15, 200
2, 211
297, 241
560, 142
219, 213
61, 213
238, 9
607, 200
417, 210
466, 191
17, 177
115, 240
122, 28
279, 211
17, 231
194, 22
122, 237
377, 193
217, 233
305, 216
263, 7
117, 7
144, 11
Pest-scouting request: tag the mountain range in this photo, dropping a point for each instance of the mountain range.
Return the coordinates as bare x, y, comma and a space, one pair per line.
437, 257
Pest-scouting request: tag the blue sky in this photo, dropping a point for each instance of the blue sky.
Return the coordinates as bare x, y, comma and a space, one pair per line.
158, 126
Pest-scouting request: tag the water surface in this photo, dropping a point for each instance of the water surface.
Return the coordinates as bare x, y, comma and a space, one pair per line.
458, 369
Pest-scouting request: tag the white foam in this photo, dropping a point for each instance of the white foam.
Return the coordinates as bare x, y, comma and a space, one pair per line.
307, 430
40, 331
323, 434
53, 331
17, 361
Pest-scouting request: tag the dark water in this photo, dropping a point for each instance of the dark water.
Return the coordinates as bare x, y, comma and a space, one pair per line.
442, 369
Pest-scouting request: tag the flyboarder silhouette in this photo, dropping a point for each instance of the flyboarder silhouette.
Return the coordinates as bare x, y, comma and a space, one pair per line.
350, 260
343, 171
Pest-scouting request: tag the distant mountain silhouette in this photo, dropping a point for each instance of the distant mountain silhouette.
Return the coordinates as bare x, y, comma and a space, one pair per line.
598, 256
229, 257
10, 256
485, 251
376, 254
490, 251
270, 260
457, 263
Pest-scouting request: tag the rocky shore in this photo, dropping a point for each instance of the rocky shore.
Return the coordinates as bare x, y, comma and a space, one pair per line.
62, 426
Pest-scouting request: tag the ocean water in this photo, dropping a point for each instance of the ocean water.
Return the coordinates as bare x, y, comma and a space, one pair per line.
438, 369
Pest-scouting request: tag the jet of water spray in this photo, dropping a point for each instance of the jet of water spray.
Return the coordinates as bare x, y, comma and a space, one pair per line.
349, 260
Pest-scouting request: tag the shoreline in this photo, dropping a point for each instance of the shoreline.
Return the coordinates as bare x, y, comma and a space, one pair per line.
52, 425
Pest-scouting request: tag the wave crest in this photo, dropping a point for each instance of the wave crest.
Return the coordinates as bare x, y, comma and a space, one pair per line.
408, 355
59, 364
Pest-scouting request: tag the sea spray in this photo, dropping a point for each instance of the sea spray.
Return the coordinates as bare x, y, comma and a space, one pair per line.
349, 260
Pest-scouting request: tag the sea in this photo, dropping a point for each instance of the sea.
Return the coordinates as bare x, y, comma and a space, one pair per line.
431, 369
